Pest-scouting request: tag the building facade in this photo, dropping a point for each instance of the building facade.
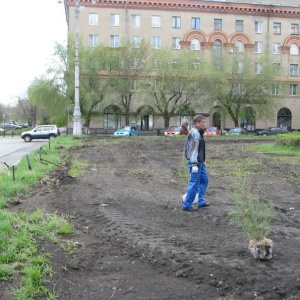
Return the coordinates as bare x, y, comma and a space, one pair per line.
201, 26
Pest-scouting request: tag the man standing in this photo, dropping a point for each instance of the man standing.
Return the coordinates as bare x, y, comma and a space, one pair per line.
194, 148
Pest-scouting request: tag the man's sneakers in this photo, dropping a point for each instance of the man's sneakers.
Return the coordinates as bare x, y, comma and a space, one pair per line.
204, 205
190, 209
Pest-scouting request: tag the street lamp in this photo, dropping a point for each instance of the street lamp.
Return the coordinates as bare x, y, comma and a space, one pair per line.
77, 128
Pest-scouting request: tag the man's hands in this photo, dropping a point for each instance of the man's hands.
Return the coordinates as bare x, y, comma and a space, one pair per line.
194, 169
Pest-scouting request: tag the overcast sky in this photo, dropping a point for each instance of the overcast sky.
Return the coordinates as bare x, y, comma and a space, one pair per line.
28, 32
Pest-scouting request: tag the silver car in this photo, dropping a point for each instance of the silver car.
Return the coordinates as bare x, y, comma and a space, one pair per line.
41, 132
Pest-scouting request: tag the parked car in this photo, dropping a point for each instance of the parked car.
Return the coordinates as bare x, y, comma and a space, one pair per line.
126, 131
177, 130
9, 126
237, 131
41, 132
272, 131
23, 125
212, 131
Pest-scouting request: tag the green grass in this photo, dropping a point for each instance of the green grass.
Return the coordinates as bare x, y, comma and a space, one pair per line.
20, 255
273, 148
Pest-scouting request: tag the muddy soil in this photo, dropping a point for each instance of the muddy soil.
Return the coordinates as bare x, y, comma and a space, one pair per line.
133, 241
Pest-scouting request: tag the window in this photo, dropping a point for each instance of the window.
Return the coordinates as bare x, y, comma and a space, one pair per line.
240, 67
174, 63
136, 63
293, 89
239, 25
294, 28
236, 88
276, 48
135, 20
114, 20
114, 41
217, 24
257, 68
176, 22
195, 44
258, 26
135, 41
239, 46
155, 21
155, 64
294, 49
93, 40
135, 85
196, 64
195, 23
276, 68
155, 42
258, 47
217, 54
275, 89
258, 90
293, 70
176, 43
93, 19
276, 28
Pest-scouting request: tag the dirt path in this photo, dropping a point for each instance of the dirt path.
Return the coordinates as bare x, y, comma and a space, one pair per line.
133, 241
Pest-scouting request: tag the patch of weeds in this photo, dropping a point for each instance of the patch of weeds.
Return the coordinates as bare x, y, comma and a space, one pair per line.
64, 268
65, 228
138, 171
69, 248
293, 175
19, 250
6, 272
77, 167
33, 283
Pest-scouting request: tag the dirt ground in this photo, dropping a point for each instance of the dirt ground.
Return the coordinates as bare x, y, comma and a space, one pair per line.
133, 241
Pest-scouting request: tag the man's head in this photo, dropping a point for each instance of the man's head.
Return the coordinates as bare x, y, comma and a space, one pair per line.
200, 122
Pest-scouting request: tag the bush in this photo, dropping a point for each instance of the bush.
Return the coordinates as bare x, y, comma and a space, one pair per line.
288, 140
252, 214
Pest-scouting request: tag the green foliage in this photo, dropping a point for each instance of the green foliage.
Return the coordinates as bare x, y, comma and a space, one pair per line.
46, 95
128, 65
177, 80
19, 254
288, 140
252, 214
241, 92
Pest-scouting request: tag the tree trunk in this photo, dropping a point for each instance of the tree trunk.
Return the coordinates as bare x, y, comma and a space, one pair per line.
166, 122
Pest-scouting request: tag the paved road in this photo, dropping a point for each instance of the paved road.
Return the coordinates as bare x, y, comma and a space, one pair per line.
12, 149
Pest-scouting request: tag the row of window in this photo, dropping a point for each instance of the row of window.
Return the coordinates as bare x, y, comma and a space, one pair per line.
195, 23
195, 44
293, 88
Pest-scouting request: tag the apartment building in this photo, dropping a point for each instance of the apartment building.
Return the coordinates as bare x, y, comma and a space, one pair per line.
199, 25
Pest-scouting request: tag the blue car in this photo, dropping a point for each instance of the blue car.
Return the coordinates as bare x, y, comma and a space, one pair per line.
126, 131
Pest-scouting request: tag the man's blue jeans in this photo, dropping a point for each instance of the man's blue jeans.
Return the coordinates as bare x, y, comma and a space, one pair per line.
197, 184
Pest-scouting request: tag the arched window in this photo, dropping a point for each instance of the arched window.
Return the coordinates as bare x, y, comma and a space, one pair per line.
248, 119
239, 46
284, 118
216, 120
145, 118
294, 50
112, 117
195, 44
217, 52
